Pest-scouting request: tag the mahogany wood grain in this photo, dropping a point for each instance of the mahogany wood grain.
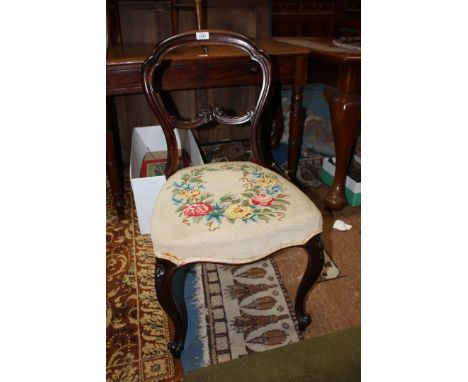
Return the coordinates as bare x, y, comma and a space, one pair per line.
174, 17
159, 63
345, 111
165, 272
314, 18
342, 72
114, 168
114, 28
315, 259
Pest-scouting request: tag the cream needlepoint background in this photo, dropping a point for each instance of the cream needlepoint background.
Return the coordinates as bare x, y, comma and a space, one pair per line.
233, 212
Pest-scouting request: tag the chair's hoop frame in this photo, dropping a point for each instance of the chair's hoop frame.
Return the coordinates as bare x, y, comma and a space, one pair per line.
170, 122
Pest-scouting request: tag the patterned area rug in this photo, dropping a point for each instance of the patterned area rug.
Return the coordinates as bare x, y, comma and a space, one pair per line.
250, 310
233, 310
240, 310
137, 329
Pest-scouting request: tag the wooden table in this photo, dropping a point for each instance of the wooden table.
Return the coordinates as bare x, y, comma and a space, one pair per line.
190, 69
341, 70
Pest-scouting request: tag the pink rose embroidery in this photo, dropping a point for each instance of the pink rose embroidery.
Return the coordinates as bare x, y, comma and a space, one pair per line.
197, 209
262, 200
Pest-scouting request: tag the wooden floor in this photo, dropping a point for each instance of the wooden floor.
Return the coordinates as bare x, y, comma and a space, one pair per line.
335, 304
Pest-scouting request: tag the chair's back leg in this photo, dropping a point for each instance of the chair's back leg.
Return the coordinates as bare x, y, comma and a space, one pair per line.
164, 280
314, 250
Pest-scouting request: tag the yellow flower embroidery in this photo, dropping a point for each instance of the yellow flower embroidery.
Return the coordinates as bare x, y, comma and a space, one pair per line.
262, 198
266, 181
236, 211
191, 194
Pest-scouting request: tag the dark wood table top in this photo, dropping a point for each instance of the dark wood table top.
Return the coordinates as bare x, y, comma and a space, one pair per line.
228, 66
330, 64
136, 54
323, 48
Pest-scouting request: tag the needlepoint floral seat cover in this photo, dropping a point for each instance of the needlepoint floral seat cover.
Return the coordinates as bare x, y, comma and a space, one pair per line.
230, 212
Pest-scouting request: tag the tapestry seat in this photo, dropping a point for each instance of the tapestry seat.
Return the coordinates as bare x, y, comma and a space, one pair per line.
230, 212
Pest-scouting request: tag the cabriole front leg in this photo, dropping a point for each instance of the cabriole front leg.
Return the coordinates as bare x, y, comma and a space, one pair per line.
314, 250
164, 277
345, 112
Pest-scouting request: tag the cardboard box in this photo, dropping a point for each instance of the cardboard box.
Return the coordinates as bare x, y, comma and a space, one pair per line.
146, 189
353, 188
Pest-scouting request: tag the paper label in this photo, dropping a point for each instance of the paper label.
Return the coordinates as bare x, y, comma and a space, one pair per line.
203, 35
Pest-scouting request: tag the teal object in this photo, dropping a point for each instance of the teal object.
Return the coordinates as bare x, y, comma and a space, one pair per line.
314, 100
354, 199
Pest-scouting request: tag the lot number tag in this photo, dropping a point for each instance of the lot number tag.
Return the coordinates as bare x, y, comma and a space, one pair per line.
203, 35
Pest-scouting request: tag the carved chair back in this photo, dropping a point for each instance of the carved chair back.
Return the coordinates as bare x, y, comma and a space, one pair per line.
152, 73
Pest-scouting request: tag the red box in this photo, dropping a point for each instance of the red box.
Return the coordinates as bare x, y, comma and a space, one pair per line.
154, 163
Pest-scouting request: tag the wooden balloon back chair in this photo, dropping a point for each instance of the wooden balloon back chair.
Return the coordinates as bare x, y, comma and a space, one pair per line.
228, 212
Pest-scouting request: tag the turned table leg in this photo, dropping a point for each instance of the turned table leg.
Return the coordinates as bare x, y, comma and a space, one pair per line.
113, 159
345, 112
296, 127
278, 117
